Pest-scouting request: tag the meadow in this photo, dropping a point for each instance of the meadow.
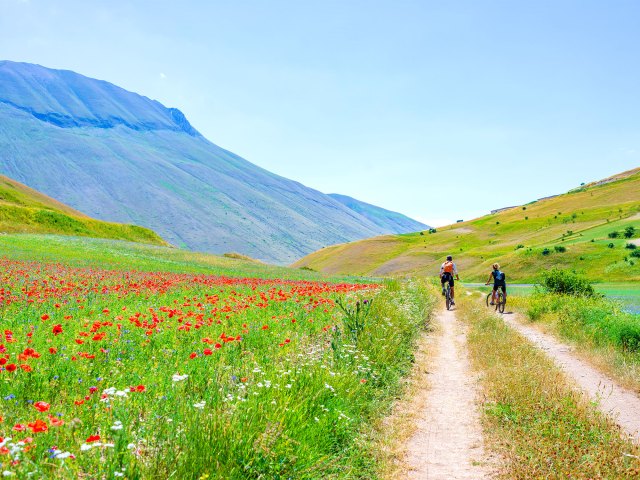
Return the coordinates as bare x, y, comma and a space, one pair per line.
152, 372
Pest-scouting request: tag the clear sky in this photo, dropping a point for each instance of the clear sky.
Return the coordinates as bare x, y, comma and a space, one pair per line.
439, 110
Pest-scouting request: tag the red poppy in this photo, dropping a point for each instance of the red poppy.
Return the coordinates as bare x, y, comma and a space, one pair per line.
207, 351
38, 426
11, 367
55, 422
41, 406
93, 438
45, 317
193, 355
18, 427
57, 329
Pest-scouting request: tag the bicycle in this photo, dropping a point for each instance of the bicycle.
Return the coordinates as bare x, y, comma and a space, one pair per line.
502, 300
447, 295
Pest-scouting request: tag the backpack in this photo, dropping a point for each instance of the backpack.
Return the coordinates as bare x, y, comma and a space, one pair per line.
498, 276
448, 267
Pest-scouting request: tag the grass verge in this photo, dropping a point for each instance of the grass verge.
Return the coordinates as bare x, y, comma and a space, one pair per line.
602, 332
532, 418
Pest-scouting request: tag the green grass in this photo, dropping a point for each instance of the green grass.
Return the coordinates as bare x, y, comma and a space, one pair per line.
534, 421
571, 220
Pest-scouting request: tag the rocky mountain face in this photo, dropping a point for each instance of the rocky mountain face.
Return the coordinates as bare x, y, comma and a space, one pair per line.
119, 156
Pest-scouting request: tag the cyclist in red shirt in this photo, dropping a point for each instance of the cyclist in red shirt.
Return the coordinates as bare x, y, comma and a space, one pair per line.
447, 271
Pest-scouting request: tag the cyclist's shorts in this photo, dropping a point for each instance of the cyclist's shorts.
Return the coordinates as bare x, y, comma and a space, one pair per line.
447, 277
502, 285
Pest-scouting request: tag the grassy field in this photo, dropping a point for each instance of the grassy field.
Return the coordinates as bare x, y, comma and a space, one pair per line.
568, 231
534, 421
24, 210
126, 360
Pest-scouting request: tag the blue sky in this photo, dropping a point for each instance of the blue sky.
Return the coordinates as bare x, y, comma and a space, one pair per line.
439, 110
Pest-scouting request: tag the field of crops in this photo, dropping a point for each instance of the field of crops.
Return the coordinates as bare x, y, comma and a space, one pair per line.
131, 374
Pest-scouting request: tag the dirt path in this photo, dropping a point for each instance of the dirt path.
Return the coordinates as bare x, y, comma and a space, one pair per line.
447, 443
612, 399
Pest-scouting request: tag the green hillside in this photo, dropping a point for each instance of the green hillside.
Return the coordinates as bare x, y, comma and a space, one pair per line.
24, 210
570, 230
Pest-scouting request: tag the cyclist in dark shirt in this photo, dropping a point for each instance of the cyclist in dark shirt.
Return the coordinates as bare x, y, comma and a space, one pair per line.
499, 281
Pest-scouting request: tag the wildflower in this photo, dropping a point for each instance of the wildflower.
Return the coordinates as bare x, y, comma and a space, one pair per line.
179, 378
38, 426
200, 405
93, 438
41, 406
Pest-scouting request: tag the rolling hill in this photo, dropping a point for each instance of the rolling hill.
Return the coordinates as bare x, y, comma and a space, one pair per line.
24, 210
570, 231
119, 156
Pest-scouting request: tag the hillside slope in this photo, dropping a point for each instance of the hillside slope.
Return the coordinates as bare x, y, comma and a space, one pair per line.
24, 210
524, 240
386, 219
119, 156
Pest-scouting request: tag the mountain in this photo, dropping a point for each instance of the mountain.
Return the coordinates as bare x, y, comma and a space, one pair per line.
583, 230
122, 157
24, 210
386, 219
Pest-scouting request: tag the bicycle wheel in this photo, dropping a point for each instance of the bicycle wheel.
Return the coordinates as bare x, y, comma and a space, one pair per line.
489, 299
448, 297
502, 302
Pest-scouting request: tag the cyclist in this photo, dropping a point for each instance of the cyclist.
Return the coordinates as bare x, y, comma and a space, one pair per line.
498, 281
447, 271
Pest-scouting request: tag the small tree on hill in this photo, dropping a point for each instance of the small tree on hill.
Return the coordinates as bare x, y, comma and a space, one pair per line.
629, 232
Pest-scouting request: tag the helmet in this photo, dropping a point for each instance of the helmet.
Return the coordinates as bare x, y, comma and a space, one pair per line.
449, 257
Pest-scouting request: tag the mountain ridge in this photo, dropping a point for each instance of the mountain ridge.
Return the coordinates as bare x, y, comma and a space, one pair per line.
151, 169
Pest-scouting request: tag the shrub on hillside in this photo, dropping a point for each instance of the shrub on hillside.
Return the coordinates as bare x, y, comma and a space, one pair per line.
613, 234
566, 282
629, 232
611, 245
546, 251
560, 249
631, 246
635, 253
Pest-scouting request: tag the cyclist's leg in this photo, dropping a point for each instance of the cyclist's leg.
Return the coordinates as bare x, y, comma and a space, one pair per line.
451, 283
494, 295
442, 280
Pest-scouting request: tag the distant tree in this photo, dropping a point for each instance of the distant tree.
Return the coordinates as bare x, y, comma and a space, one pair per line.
631, 246
613, 234
560, 249
546, 251
610, 245
629, 232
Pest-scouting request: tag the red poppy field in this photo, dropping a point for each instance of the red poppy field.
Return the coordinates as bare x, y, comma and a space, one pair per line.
131, 374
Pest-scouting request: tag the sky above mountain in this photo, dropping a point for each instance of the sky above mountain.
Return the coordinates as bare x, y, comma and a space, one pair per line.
438, 110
